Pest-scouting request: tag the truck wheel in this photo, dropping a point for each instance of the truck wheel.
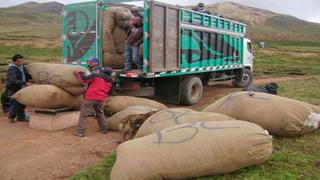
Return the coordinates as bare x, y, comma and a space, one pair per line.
245, 80
191, 90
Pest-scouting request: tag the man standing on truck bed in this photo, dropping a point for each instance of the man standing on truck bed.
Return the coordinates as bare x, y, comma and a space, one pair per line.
133, 41
200, 8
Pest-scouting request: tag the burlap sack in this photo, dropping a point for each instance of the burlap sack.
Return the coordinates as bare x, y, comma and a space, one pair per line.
115, 104
60, 75
115, 61
280, 116
114, 121
75, 91
116, 16
119, 37
108, 20
193, 150
45, 96
108, 43
175, 116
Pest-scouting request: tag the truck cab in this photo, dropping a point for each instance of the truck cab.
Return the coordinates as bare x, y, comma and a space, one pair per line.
182, 49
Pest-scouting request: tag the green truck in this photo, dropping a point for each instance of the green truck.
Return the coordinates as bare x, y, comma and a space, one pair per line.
183, 50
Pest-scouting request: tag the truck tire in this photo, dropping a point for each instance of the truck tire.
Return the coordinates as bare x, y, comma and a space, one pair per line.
191, 90
245, 80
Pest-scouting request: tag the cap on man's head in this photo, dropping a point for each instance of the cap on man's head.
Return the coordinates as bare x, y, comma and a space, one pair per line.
107, 70
93, 59
16, 57
200, 5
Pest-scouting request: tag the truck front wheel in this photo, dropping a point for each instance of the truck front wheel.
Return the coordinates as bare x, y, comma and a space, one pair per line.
191, 90
245, 80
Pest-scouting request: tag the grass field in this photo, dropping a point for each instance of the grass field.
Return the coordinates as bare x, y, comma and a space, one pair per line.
292, 158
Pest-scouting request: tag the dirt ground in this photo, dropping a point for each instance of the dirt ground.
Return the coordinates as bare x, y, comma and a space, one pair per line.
34, 154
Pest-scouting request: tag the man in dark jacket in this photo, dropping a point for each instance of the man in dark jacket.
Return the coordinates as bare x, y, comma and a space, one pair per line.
200, 8
17, 78
133, 41
99, 84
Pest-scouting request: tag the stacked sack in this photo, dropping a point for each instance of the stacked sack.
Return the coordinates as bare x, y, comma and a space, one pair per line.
180, 143
55, 86
116, 20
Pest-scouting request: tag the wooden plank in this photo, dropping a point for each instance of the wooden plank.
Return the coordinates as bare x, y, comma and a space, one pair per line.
164, 37
51, 111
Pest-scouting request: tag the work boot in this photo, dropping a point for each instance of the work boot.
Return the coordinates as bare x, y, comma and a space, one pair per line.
10, 120
80, 134
104, 131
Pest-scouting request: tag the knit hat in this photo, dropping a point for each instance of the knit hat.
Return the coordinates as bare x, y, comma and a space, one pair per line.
107, 70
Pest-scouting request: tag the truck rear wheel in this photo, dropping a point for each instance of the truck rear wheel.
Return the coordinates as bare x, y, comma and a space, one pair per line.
191, 90
245, 80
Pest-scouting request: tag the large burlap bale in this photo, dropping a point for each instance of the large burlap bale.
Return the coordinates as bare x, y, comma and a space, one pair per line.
108, 21
108, 43
116, 16
115, 104
75, 90
46, 96
193, 150
280, 116
60, 75
119, 37
114, 121
115, 61
175, 116
130, 125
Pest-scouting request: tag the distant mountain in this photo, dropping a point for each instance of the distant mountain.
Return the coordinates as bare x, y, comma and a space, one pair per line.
33, 20
267, 25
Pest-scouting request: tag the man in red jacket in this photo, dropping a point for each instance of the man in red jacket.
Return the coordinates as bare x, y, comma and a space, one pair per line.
99, 84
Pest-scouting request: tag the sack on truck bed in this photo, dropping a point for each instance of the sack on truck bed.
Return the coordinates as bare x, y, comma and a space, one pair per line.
193, 150
46, 96
115, 61
280, 116
60, 75
115, 104
176, 116
114, 121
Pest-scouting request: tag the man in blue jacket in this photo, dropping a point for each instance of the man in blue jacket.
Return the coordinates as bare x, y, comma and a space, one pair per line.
17, 78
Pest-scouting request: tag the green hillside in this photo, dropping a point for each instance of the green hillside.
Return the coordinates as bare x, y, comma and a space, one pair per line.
267, 25
29, 21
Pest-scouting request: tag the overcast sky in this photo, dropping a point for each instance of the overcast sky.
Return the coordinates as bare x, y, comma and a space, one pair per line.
304, 9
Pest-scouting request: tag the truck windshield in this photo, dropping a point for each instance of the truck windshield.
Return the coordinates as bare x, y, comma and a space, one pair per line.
249, 46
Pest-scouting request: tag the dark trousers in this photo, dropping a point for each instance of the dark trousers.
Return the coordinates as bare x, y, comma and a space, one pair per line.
16, 109
87, 107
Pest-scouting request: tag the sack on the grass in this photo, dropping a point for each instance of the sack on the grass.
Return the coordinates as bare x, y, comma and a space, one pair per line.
114, 121
60, 75
115, 104
193, 150
279, 115
175, 116
46, 96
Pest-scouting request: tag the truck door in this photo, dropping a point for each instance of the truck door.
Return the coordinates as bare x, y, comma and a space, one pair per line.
164, 37
81, 32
